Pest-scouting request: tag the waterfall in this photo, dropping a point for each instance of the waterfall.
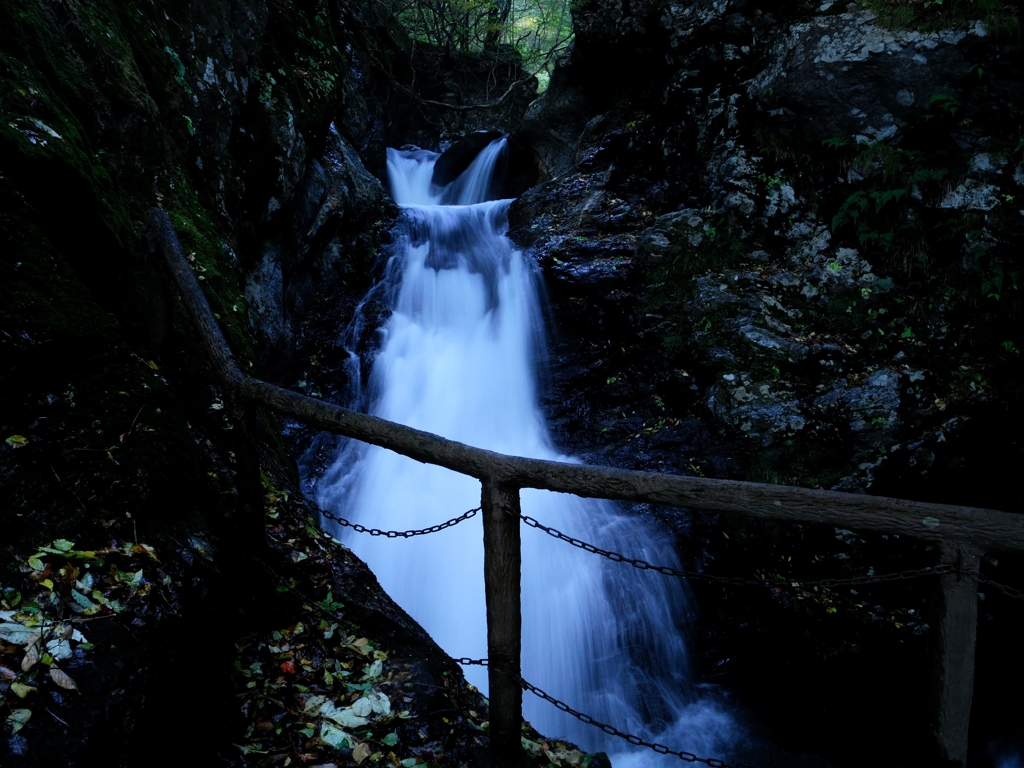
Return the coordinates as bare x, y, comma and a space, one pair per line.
459, 357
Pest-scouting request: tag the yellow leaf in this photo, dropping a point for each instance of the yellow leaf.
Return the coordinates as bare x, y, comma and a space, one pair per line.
46, 583
61, 678
21, 690
17, 441
145, 549
360, 753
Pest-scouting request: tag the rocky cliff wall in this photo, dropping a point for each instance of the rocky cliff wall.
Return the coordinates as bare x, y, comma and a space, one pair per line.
252, 124
782, 245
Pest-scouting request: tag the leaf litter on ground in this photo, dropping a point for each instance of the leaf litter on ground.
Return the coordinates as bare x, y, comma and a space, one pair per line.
323, 690
61, 588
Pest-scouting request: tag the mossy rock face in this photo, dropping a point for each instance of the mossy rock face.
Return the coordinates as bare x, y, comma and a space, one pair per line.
678, 247
113, 427
996, 18
106, 432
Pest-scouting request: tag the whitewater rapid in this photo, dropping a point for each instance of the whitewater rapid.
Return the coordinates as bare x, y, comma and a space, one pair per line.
459, 356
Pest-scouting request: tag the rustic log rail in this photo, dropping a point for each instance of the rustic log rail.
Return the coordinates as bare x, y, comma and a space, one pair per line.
964, 533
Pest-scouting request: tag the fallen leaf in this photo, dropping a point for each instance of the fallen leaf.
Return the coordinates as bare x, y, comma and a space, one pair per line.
390, 740
360, 753
379, 703
145, 549
63, 545
362, 707
334, 736
18, 634
345, 717
288, 666
87, 605
59, 648
313, 704
31, 658
375, 669
18, 718
61, 678
45, 128
21, 690
17, 441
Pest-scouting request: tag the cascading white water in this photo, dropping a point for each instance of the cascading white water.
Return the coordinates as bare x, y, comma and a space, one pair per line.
459, 358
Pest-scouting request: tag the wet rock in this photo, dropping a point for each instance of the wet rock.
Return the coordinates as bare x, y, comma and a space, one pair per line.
454, 160
874, 406
554, 122
328, 244
518, 168
764, 411
971, 195
673, 236
846, 75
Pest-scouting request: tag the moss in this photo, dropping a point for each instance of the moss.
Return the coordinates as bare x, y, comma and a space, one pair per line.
1000, 19
307, 63
213, 266
99, 419
800, 462
120, 433
693, 248
50, 157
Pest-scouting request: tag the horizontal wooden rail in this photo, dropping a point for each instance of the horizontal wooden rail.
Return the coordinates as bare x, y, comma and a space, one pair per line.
964, 533
985, 529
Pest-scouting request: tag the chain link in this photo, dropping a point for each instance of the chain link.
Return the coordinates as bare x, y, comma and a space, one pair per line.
611, 730
1008, 591
665, 570
399, 534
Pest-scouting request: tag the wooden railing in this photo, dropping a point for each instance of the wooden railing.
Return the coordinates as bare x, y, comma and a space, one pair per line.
964, 534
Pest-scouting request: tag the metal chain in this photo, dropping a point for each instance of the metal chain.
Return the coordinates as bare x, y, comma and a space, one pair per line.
611, 730
665, 570
399, 534
1008, 591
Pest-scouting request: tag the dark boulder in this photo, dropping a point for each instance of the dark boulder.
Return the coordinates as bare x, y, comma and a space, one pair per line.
519, 167
847, 75
459, 155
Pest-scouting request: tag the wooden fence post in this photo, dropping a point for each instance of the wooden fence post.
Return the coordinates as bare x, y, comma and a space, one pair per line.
502, 567
953, 653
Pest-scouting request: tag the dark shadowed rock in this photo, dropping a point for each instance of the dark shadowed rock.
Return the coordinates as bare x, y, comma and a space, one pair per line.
457, 157
518, 168
847, 75
554, 122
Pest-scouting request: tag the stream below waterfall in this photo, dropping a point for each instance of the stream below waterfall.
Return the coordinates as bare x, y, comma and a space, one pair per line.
460, 356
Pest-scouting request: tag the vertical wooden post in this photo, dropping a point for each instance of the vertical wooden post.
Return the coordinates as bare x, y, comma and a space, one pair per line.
502, 567
953, 654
